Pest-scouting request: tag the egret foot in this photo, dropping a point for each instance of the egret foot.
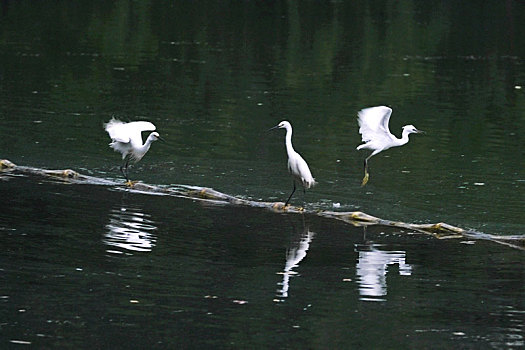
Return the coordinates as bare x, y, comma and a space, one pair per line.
286, 207
130, 183
365, 179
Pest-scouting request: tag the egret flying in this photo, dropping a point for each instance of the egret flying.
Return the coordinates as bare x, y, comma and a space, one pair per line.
373, 127
126, 138
296, 164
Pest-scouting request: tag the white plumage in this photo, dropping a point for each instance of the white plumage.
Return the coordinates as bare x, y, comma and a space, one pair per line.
373, 127
126, 138
297, 166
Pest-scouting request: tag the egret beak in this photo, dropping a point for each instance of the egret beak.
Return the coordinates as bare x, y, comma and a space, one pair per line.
275, 127
420, 131
161, 139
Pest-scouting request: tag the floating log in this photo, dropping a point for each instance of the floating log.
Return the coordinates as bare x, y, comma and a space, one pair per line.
439, 230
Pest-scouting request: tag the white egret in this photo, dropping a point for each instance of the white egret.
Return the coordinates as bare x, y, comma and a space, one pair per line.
373, 127
126, 138
296, 164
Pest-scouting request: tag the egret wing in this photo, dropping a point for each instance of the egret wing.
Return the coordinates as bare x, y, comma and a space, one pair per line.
141, 126
135, 129
117, 131
373, 123
300, 170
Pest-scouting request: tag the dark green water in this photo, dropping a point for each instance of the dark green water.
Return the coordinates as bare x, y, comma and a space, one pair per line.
96, 267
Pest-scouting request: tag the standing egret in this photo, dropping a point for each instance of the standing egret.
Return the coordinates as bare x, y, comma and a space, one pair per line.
296, 164
373, 126
126, 138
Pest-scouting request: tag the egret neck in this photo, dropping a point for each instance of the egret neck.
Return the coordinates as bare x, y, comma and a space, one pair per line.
288, 142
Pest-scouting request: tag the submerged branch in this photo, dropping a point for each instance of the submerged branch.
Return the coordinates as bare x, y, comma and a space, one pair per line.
439, 230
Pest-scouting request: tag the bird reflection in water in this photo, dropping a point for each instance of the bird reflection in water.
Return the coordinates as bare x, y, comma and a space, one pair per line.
294, 255
372, 267
130, 229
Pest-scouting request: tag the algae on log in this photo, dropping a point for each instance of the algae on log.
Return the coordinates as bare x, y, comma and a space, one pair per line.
439, 230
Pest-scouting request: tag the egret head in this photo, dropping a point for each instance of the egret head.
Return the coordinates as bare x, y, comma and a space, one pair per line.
411, 129
282, 125
154, 136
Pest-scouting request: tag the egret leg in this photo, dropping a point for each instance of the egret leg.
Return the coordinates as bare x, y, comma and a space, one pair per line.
367, 175
124, 171
304, 199
293, 191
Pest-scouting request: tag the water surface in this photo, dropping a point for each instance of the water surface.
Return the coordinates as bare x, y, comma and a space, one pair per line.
98, 266
103, 268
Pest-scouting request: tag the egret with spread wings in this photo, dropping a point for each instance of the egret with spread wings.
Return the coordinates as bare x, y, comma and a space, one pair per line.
373, 127
126, 138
